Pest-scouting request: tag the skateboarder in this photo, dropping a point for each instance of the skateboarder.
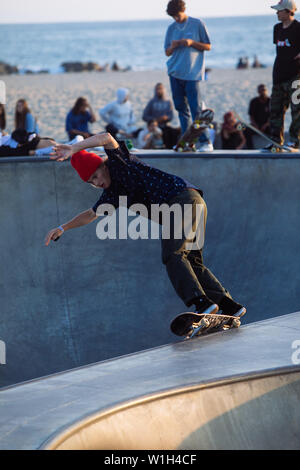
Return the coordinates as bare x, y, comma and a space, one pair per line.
122, 174
286, 73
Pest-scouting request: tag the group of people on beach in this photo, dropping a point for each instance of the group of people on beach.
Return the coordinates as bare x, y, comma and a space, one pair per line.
119, 120
25, 139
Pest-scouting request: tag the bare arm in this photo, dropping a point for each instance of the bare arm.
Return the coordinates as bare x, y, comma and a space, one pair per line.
80, 220
243, 141
63, 152
200, 46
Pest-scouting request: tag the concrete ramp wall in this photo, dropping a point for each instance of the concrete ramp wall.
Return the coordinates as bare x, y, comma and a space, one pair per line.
256, 413
84, 300
238, 389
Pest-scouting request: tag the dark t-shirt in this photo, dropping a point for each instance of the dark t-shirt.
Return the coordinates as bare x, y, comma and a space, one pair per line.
234, 140
259, 110
141, 183
287, 46
78, 121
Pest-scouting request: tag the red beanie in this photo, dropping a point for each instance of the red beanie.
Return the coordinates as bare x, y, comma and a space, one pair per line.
86, 163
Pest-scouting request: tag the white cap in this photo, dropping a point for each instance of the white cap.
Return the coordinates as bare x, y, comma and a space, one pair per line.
285, 5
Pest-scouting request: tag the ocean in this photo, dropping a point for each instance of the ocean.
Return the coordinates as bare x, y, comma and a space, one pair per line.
137, 44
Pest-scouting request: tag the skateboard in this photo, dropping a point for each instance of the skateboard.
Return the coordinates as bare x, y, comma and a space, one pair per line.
188, 140
191, 324
276, 147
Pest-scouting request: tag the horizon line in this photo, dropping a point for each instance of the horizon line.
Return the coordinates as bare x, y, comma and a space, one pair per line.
128, 19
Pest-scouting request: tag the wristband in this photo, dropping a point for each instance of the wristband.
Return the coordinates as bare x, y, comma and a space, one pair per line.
61, 229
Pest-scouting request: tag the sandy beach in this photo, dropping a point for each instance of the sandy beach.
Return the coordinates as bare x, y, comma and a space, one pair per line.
51, 96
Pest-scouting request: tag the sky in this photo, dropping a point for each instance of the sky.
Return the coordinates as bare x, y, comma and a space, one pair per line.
44, 11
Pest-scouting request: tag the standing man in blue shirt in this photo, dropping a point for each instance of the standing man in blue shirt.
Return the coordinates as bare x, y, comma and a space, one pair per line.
185, 43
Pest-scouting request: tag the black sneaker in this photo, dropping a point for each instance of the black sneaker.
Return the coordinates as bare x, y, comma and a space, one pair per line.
232, 308
205, 306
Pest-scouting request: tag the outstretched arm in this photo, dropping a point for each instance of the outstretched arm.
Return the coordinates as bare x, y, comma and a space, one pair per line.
79, 221
63, 152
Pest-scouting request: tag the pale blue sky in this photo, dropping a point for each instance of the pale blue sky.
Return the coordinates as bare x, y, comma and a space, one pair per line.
44, 11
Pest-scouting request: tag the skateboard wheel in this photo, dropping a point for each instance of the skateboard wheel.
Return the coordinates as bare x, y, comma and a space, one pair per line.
180, 149
204, 322
196, 126
274, 149
236, 323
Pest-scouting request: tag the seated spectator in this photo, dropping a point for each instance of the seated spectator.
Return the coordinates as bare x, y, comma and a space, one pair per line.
232, 138
151, 136
2, 119
243, 63
259, 112
256, 64
119, 116
160, 108
21, 143
77, 121
24, 119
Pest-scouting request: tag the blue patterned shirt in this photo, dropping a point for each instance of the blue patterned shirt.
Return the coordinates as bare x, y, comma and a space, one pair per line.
141, 183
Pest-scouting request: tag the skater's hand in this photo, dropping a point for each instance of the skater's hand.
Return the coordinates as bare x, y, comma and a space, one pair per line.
61, 152
54, 235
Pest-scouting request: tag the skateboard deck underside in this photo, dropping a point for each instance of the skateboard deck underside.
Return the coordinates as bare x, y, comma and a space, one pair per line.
190, 138
192, 324
276, 146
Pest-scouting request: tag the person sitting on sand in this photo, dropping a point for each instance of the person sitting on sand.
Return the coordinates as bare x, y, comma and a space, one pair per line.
21, 143
125, 175
232, 138
2, 119
24, 118
259, 112
160, 108
119, 115
151, 137
78, 119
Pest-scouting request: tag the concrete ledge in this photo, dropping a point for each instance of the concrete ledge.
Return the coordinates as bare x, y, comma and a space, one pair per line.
171, 154
251, 368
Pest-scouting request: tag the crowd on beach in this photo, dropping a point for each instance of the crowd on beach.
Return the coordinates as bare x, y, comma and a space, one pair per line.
186, 42
119, 120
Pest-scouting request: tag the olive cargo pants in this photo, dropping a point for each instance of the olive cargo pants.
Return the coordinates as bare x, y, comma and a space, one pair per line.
185, 268
284, 95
